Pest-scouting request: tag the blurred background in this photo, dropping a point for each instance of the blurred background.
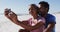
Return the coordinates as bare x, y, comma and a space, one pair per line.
20, 7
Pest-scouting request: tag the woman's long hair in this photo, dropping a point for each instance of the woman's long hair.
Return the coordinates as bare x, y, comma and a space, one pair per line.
36, 7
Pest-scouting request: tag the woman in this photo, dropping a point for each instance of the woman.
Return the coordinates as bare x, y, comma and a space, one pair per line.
35, 24
33, 10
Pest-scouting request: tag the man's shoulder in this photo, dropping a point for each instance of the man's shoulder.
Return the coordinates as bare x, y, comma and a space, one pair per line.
50, 16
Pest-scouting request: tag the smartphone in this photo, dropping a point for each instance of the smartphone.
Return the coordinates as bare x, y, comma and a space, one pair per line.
10, 12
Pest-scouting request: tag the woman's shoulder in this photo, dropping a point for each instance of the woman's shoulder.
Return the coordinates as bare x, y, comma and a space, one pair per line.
41, 19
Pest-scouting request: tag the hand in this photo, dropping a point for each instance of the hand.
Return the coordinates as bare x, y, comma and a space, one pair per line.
46, 30
12, 16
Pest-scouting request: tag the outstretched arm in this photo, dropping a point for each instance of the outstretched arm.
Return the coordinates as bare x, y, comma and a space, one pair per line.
14, 19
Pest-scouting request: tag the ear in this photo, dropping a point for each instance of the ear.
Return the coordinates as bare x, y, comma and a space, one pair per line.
47, 9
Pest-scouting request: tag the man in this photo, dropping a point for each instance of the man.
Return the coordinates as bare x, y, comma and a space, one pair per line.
50, 19
44, 8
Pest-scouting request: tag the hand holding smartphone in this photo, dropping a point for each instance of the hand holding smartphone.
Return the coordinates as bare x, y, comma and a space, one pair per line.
10, 12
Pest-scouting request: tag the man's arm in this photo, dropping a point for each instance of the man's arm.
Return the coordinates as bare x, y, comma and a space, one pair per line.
51, 23
50, 27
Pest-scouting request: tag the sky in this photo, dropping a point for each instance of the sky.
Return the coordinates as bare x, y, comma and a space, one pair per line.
22, 6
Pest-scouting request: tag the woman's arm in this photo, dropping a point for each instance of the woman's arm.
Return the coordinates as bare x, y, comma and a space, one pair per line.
14, 19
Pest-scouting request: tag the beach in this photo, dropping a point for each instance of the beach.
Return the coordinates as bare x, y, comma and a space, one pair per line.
7, 26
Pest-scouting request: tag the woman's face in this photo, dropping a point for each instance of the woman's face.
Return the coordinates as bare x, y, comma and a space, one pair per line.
32, 11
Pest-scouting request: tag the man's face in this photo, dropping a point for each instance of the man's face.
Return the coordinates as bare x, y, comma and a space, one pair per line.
43, 10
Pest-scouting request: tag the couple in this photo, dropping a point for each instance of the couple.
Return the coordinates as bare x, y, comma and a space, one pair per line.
41, 21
